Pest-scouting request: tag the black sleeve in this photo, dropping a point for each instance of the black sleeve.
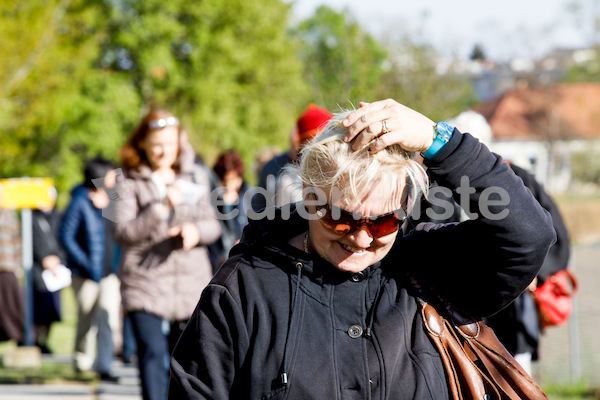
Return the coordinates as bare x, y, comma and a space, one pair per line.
482, 264
44, 241
210, 349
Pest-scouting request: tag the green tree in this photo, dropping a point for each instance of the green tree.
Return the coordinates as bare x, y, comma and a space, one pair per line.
586, 167
228, 68
342, 63
57, 107
78, 75
588, 71
477, 53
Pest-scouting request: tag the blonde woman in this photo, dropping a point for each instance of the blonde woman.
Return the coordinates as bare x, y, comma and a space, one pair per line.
319, 304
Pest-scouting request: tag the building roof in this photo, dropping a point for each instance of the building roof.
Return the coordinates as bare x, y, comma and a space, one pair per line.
562, 111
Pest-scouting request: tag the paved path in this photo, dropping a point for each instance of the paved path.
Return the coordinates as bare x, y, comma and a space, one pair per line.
127, 389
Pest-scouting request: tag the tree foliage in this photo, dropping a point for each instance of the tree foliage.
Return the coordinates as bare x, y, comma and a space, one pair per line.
228, 68
342, 63
77, 75
586, 167
57, 106
588, 71
91, 68
477, 53
412, 78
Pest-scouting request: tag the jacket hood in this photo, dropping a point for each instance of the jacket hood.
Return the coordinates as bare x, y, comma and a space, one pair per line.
277, 226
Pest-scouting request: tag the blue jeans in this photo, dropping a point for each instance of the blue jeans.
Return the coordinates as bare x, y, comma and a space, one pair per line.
153, 353
129, 347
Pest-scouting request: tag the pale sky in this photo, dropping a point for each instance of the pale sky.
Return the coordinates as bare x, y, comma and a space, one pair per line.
505, 28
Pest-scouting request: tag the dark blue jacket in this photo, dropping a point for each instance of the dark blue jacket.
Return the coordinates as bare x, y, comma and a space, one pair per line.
83, 234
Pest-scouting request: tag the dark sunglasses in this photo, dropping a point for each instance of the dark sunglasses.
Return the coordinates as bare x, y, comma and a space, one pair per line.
343, 222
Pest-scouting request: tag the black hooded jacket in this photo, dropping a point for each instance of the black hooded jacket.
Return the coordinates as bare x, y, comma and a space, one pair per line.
274, 314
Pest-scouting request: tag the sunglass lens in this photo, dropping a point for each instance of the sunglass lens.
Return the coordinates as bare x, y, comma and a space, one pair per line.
341, 225
343, 222
384, 226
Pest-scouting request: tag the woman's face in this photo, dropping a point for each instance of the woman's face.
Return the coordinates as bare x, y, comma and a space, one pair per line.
162, 147
355, 251
232, 181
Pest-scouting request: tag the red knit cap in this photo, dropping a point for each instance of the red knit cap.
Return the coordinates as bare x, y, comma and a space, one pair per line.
312, 122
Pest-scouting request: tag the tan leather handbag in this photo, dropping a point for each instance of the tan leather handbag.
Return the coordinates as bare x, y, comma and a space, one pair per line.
477, 364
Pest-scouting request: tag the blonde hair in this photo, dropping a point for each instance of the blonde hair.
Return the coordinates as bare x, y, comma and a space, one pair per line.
328, 162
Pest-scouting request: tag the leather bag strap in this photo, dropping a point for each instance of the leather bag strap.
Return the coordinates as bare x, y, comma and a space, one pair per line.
477, 364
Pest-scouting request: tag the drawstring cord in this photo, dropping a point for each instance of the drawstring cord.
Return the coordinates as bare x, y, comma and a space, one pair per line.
371, 314
284, 375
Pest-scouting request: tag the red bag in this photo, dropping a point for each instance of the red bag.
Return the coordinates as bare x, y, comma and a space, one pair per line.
553, 298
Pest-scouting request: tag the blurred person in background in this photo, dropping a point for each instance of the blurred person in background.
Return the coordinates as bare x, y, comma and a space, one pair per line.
231, 205
214, 248
12, 306
89, 245
518, 325
263, 156
164, 222
312, 120
48, 254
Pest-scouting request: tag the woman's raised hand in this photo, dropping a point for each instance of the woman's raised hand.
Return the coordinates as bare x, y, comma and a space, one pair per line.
388, 122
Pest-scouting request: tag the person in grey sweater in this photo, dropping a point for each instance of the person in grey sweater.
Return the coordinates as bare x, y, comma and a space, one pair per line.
164, 222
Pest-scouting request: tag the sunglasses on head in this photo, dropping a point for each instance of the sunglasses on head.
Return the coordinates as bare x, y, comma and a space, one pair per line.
156, 124
343, 222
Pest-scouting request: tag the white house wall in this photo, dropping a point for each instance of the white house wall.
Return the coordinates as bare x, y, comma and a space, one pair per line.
554, 172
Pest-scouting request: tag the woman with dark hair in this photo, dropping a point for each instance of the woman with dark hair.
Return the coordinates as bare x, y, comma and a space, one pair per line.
229, 168
164, 222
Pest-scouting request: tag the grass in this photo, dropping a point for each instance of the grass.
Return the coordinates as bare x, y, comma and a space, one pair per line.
62, 334
575, 391
48, 373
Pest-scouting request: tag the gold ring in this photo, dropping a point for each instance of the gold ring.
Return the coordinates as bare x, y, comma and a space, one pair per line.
384, 127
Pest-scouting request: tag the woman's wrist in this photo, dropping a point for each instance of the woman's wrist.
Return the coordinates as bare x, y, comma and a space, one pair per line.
442, 135
429, 141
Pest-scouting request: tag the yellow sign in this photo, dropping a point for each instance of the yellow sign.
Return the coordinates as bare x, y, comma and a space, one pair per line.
27, 193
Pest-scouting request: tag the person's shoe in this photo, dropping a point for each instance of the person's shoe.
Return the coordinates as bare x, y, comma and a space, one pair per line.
107, 377
43, 348
132, 359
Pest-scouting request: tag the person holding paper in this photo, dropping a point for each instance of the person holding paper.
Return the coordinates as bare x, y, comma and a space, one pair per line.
48, 261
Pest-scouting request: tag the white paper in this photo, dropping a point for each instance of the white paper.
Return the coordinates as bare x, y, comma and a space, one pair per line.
190, 192
61, 280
